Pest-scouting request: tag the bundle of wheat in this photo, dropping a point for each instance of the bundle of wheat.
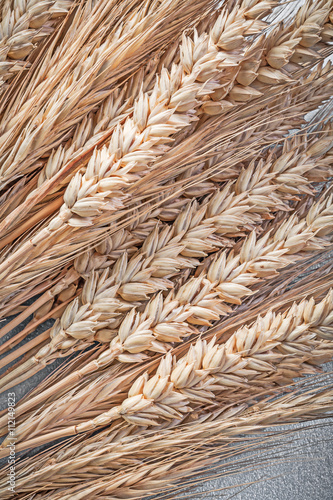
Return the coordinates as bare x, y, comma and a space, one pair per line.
162, 190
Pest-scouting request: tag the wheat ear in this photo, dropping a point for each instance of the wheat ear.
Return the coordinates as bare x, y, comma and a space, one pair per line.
256, 194
71, 95
105, 454
319, 77
205, 299
23, 26
105, 116
152, 477
277, 59
226, 20
225, 214
103, 255
85, 130
233, 208
156, 116
275, 349
318, 82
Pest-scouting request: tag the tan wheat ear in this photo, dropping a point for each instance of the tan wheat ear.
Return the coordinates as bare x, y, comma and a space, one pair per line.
165, 200
227, 18
275, 60
200, 300
96, 233
166, 252
23, 26
77, 401
274, 350
68, 96
316, 87
233, 210
116, 449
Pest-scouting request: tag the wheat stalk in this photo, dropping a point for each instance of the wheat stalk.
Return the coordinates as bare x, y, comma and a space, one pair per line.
222, 431
58, 159
110, 385
115, 106
315, 87
212, 215
222, 19
103, 256
231, 15
236, 206
292, 165
237, 19
154, 120
92, 127
161, 379
203, 299
272, 351
229, 21
277, 59
219, 27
